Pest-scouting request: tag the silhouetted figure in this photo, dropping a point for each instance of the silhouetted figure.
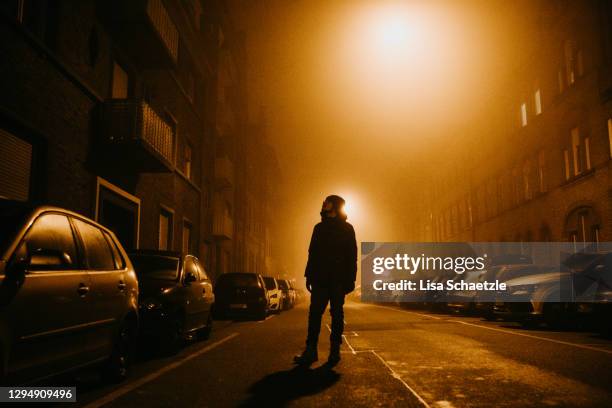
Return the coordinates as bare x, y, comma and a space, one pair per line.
330, 275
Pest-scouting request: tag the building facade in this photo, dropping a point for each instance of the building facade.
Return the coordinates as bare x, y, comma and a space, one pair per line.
113, 109
536, 165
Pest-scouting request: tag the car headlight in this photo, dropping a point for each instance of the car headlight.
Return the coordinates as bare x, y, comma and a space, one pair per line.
523, 290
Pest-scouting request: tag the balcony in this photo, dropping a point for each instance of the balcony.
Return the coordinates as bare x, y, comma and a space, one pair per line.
223, 226
135, 132
144, 28
224, 172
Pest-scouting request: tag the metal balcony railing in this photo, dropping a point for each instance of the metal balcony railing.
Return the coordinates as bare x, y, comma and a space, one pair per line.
223, 226
144, 29
161, 21
133, 123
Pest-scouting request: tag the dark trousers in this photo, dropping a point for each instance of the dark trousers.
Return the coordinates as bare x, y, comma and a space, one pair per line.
319, 297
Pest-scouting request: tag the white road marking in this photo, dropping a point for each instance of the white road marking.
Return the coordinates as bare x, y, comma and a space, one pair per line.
566, 343
393, 373
444, 404
406, 311
267, 318
349, 344
399, 378
131, 386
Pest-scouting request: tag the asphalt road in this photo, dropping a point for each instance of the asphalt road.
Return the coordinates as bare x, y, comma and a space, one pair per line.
391, 357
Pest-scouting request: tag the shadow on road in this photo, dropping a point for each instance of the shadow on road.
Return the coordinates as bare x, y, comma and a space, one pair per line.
282, 387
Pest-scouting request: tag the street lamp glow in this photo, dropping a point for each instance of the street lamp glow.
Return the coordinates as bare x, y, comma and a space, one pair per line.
392, 32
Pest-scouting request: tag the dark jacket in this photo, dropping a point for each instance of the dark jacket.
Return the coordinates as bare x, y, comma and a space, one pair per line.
332, 255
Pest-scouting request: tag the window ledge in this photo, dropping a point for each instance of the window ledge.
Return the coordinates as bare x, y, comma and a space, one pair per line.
578, 178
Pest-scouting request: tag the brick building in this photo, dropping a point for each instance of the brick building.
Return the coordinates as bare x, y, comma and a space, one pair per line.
536, 165
112, 109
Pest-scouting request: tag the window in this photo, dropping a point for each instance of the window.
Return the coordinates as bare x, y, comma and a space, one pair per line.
186, 237
187, 160
560, 80
15, 167
587, 153
97, 251
523, 114
582, 225
51, 238
165, 230
570, 61
537, 102
567, 164
575, 134
541, 171
121, 81
119, 263
526, 184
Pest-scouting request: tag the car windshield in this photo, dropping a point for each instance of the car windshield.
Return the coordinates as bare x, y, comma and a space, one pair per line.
12, 217
269, 283
237, 280
282, 284
155, 267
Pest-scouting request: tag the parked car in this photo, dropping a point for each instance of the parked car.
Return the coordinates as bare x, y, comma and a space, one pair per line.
241, 294
176, 296
484, 304
287, 294
464, 300
556, 297
68, 295
274, 294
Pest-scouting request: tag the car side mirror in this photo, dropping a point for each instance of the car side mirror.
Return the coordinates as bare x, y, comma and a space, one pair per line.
190, 277
20, 262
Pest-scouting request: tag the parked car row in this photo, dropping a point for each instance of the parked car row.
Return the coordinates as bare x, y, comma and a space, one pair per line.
72, 296
252, 295
577, 290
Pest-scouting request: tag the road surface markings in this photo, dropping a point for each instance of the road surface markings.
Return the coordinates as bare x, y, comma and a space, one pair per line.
407, 311
349, 344
399, 378
566, 343
267, 318
393, 373
129, 387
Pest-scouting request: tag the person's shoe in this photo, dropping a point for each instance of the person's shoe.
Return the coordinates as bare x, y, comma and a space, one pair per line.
309, 356
334, 354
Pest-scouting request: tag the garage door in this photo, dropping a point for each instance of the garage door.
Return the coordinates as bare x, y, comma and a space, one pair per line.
15, 167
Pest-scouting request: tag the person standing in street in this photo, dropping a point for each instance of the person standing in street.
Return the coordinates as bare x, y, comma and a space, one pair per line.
331, 271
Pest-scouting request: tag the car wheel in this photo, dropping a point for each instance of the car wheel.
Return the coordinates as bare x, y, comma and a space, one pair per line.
176, 335
554, 315
116, 368
204, 333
